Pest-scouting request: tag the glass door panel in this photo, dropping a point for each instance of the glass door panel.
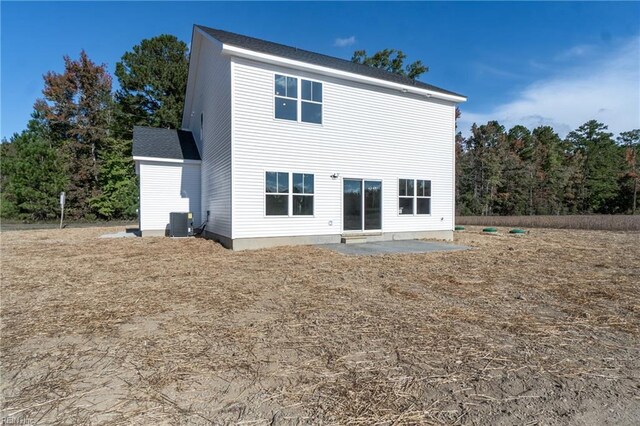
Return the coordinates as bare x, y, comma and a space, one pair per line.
352, 205
372, 205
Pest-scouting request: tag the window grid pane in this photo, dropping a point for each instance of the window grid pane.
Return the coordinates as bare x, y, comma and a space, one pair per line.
292, 87
277, 205
316, 93
306, 90
271, 182
405, 205
281, 85
424, 205
311, 113
283, 183
303, 205
298, 185
308, 184
424, 188
402, 187
286, 109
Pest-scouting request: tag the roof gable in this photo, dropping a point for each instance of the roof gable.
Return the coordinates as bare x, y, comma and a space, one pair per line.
293, 53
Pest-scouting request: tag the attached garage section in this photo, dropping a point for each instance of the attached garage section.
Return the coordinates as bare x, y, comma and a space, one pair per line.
168, 167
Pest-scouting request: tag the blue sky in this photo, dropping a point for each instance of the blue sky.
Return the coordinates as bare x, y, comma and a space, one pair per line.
532, 63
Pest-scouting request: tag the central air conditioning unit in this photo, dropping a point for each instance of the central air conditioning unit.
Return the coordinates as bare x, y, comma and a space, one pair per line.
180, 224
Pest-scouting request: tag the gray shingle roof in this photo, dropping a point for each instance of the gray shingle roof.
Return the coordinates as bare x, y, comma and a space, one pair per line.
263, 46
164, 143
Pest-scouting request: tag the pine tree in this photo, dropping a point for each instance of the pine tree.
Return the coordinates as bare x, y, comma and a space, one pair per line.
33, 175
153, 84
601, 166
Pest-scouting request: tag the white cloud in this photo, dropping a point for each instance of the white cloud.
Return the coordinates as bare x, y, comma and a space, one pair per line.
344, 42
607, 89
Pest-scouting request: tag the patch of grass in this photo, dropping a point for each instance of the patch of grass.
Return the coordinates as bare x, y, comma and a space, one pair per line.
594, 222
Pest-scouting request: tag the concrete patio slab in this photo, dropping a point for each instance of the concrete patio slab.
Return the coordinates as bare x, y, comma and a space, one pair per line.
122, 234
392, 247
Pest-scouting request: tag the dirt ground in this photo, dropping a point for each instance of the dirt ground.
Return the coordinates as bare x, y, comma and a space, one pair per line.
539, 329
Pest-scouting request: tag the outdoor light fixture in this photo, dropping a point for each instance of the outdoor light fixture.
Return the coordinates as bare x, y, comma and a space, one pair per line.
335, 176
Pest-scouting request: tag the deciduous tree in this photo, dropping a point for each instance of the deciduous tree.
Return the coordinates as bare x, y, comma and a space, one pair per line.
76, 109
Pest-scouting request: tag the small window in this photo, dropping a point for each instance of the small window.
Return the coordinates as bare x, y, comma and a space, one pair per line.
302, 194
423, 197
286, 97
406, 196
277, 193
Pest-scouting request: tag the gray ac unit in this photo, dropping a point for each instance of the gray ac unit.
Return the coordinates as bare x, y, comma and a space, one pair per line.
180, 224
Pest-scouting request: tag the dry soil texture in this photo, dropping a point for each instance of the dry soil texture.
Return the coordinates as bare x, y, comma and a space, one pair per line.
538, 329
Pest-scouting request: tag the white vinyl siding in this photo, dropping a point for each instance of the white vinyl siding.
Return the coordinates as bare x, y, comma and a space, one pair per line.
165, 188
367, 132
210, 97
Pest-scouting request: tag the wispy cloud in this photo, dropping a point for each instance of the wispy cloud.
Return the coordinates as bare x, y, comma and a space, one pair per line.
485, 69
344, 42
575, 52
606, 89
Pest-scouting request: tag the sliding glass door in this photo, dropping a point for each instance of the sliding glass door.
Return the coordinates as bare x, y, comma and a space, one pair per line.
362, 205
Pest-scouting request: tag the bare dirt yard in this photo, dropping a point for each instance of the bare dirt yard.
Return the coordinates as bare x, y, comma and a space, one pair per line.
539, 329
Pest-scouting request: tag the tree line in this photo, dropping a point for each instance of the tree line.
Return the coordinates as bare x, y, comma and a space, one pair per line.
80, 133
523, 172
79, 141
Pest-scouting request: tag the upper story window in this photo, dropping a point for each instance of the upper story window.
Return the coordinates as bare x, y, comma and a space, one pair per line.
286, 97
298, 99
311, 102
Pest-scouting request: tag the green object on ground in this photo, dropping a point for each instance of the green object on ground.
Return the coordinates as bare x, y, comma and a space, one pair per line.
489, 230
517, 231
459, 228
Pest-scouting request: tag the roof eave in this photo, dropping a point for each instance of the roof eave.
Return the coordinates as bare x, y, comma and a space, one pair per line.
166, 159
278, 60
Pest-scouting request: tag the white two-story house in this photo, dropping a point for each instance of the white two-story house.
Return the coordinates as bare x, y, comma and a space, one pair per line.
284, 146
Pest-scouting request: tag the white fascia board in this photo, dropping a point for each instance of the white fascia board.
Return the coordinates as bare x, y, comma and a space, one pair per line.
277, 60
166, 160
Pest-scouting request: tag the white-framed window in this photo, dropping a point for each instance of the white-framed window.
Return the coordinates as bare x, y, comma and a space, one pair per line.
423, 196
311, 105
414, 197
286, 97
406, 196
279, 194
302, 194
276, 194
297, 99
